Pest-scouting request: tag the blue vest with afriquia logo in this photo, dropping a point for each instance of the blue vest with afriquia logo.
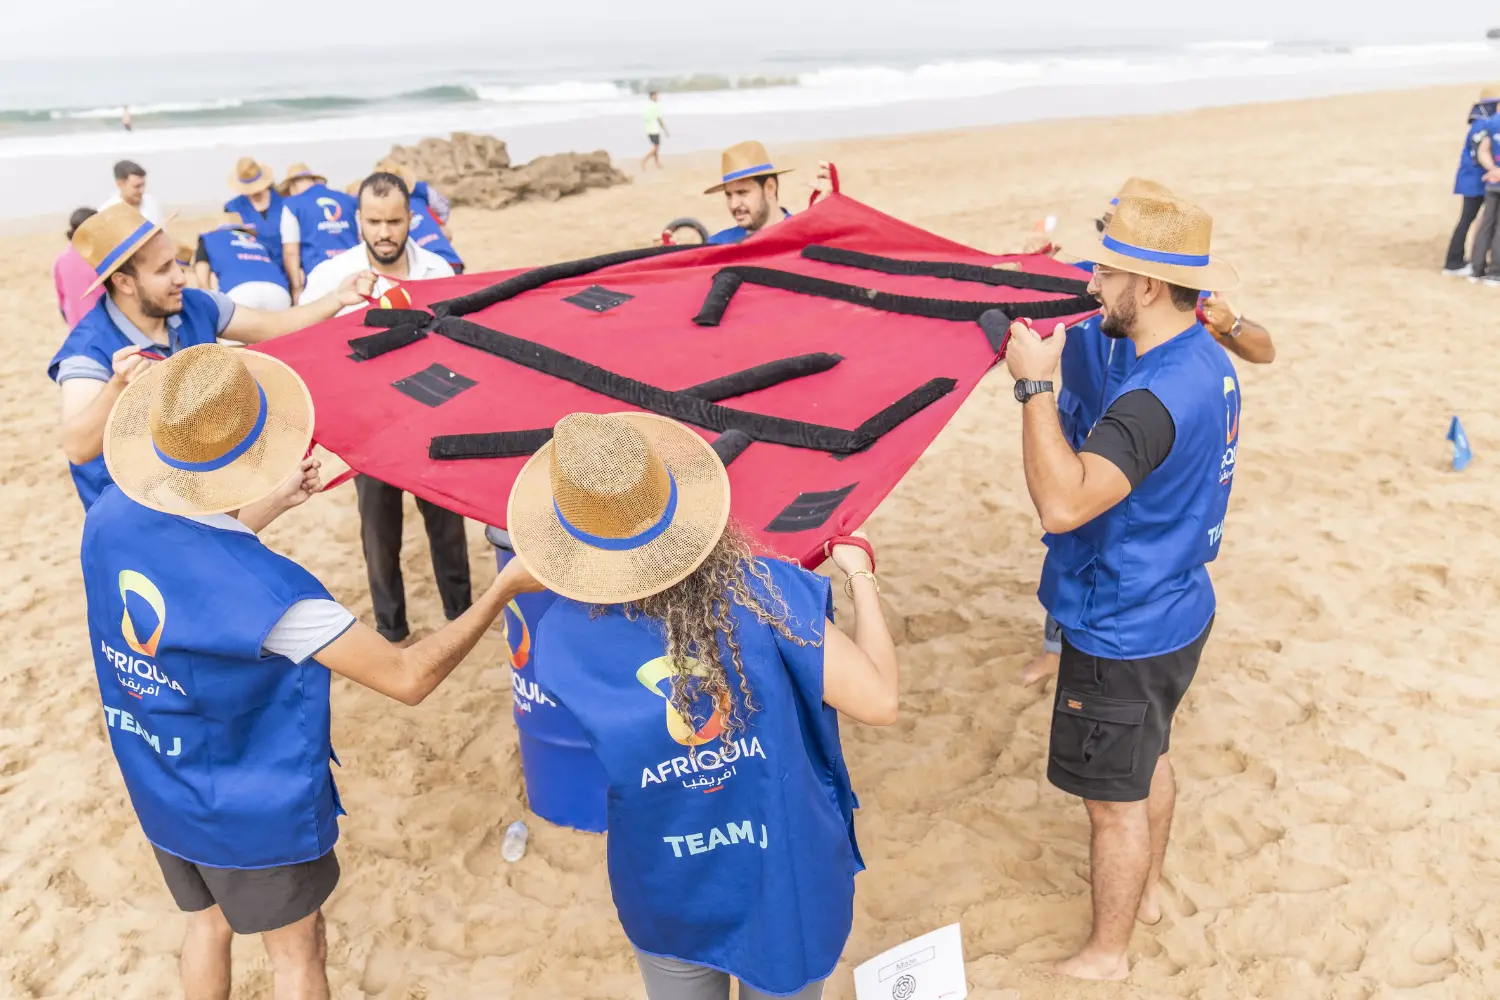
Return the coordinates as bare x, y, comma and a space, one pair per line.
225, 749
425, 231
97, 337
1133, 582
267, 226
736, 853
326, 220
237, 258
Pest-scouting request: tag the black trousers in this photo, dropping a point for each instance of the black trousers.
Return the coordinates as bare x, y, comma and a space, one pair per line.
380, 532
1460, 241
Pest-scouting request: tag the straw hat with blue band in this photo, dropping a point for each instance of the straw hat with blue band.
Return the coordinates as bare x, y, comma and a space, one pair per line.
107, 239
748, 159
208, 431
250, 176
618, 507
297, 171
1160, 236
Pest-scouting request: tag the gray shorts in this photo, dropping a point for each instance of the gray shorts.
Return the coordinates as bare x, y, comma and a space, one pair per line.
669, 979
1052, 637
253, 900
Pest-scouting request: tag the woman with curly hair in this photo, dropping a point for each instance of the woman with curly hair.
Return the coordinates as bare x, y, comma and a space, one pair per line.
708, 680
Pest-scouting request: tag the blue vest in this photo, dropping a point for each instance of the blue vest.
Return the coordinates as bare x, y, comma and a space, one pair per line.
737, 234
1092, 365
267, 227
1133, 582
225, 749
737, 856
326, 218
97, 337
237, 257
426, 233
1469, 181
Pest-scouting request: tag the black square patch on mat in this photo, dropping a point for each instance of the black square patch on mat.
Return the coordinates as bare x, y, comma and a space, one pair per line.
809, 510
597, 298
433, 385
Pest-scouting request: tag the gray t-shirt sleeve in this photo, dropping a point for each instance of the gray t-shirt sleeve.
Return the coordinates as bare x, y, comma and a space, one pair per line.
81, 366
226, 309
306, 628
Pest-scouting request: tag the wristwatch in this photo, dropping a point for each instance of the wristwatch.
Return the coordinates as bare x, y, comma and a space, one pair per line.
1234, 331
1026, 388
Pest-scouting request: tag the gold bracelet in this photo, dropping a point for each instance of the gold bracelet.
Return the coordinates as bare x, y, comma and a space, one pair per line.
849, 582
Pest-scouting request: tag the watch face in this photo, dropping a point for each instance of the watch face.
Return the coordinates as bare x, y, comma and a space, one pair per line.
1022, 393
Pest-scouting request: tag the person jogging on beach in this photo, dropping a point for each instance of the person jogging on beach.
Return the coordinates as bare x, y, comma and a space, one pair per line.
1128, 581
708, 682
1468, 183
1093, 364
147, 310
656, 128
317, 223
213, 656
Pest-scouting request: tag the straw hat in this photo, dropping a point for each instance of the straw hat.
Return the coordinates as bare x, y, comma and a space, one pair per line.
618, 507
407, 174
1491, 92
185, 253
1167, 238
1139, 187
109, 238
250, 176
297, 171
748, 159
207, 431
233, 222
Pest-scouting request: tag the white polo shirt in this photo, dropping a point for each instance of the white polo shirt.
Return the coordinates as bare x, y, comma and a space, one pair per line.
150, 210
326, 276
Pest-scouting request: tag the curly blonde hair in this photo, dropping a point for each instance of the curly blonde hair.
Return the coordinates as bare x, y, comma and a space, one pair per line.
694, 613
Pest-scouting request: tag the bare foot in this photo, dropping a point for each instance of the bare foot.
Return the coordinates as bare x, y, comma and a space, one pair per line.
1094, 966
1039, 669
1149, 912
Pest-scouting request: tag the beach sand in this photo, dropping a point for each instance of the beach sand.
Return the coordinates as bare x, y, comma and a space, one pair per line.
1337, 761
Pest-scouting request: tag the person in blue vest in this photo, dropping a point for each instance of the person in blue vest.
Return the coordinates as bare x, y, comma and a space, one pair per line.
146, 314
1468, 183
1132, 520
213, 655
257, 202
1093, 364
752, 191
429, 214
232, 258
317, 223
706, 680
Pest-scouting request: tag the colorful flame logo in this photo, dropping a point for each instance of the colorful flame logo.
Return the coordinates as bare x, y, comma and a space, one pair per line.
332, 210
1231, 411
132, 582
520, 645
656, 676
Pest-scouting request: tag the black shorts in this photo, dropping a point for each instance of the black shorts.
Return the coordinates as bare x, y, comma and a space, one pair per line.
1112, 719
253, 900
655, 139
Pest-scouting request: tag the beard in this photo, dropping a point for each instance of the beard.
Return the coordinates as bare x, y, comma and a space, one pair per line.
760, 216
160, 308
1119, 320
386, 259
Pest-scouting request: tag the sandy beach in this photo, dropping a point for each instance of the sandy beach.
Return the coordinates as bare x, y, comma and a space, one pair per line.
1336, 757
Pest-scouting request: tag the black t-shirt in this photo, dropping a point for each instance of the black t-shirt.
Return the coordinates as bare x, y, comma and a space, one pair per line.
1136, 434
202, 253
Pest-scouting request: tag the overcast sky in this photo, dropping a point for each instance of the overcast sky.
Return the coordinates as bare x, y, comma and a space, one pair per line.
55, 27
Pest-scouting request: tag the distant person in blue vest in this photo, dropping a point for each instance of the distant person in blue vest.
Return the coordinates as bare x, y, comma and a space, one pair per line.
1468, 183
708, 681
1132, 520
752, 191
317, 223
429, 214
1093, 364
232, 258
1484, 140
213, 656
147, 310
257, 202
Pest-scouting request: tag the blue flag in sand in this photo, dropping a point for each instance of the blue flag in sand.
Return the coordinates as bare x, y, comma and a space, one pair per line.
1462, 453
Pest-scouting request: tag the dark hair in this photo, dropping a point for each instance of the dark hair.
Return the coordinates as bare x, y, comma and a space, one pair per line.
1183, 298
78, 218
381, 184
126, 268
128, 168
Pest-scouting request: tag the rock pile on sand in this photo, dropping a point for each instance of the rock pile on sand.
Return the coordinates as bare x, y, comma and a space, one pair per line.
476, 170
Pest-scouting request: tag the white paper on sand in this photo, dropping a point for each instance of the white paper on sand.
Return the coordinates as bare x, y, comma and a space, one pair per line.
930, 967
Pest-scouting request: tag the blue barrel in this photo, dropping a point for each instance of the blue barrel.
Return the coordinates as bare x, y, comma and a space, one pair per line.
565, 783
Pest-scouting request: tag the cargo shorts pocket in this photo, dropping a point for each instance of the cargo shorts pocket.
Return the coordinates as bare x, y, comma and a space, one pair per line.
1094, 737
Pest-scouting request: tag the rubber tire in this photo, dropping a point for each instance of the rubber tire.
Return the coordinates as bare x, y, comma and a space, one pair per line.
687, 223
